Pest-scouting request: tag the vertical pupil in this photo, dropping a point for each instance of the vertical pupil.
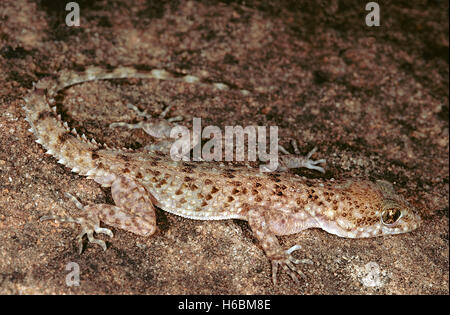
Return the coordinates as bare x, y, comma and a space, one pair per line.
390, 216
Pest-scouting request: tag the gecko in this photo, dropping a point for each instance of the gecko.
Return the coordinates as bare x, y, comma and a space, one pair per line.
273, 203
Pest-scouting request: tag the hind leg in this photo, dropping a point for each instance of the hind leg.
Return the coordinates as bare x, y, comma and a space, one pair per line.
157, 127
133, 212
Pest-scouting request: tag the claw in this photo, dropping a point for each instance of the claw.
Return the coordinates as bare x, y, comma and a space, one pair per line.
89, 233
165, 111
88, 226
138, 111
308, 156
104, 231
297, 151
311, 164
175, 119
288, 262
283, 150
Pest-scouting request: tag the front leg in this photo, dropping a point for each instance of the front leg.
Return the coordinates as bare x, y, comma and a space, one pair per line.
296, 160
269, 243
133, 212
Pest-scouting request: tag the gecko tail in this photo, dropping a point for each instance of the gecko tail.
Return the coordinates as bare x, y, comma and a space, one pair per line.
55, 135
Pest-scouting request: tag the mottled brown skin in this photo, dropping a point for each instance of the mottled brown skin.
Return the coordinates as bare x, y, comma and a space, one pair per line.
272, 203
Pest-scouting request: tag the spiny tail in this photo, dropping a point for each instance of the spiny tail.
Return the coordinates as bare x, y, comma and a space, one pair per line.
71, 149
67, 146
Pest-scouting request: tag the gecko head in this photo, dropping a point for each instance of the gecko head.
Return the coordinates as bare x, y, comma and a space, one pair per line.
386, 213
368, 209
396, 214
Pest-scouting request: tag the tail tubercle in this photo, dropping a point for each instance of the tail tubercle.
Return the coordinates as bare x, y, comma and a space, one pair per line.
67, 146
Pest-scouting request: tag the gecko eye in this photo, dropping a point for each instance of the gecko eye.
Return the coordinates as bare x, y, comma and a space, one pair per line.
390, 216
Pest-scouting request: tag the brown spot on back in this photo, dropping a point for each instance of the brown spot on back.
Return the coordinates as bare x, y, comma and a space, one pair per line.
124, 157
228, 175
156, 173
276, 180
156, 158
214, 190
64, 137
94, 155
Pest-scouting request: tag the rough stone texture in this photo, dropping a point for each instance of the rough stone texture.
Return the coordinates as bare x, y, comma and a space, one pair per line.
374, 100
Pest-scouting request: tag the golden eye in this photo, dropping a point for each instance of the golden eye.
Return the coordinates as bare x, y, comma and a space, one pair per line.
390, 216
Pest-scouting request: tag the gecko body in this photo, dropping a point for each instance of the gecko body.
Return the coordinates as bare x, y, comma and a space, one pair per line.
277, 203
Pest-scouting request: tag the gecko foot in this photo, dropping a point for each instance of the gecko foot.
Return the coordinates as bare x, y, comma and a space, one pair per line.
288, 262
296, 160
88, 225
158, 127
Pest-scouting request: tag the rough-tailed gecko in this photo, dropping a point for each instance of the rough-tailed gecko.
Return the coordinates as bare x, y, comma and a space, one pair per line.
277, 203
